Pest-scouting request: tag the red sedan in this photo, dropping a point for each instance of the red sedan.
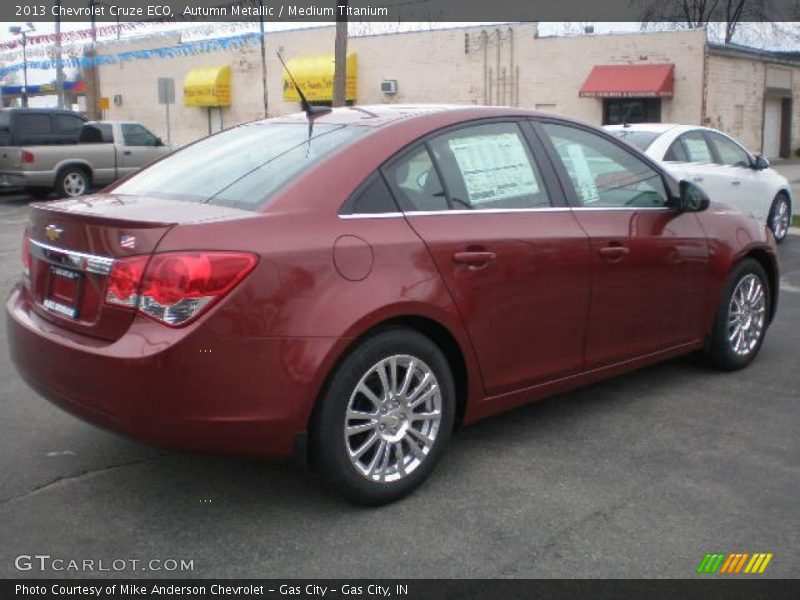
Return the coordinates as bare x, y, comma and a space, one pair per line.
358, 283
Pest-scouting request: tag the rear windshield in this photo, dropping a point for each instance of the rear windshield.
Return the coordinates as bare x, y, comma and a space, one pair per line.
240, 167
637, 139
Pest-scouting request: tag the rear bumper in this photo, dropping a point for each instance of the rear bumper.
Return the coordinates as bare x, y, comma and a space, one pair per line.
23, 179
199, 389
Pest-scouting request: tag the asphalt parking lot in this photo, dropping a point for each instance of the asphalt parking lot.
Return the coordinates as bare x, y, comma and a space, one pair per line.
638, 476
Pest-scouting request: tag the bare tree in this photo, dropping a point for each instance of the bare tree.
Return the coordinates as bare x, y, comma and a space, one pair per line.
693, 14
340, 56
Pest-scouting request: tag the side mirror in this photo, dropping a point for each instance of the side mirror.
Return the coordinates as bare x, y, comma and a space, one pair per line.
760, 163
692, 198
159, 142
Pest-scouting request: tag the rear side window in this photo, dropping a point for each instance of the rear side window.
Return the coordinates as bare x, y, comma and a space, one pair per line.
68, 124
416, 183
97, 133
33, 124
695, 147
136, 135
242, 166
373, 198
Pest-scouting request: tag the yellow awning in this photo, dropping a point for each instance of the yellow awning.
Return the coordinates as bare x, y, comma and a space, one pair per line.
207, 86
314, 75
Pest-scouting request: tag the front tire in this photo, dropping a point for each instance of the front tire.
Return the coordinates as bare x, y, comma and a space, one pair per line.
742, 317
385, 418
72, 182
780, 216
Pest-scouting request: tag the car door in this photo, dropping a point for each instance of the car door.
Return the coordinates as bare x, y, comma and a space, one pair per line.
750, 191
139, 148
649, 261
512, 255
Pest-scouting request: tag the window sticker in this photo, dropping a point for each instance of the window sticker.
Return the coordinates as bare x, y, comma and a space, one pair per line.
494, 167
582, 176
697, 150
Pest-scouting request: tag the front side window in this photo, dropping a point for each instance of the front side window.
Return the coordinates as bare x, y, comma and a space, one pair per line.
242, 166
728, 151
489, 167
604, 175
136, 135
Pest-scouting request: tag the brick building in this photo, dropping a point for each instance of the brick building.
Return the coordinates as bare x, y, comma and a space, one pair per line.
657, 76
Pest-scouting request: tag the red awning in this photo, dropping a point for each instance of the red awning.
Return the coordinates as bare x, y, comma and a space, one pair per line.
628, 81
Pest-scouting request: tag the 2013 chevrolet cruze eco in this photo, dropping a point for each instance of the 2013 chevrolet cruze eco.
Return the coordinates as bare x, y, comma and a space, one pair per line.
360, 283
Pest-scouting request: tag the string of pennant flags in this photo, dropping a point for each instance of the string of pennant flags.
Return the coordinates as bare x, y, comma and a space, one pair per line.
187, 49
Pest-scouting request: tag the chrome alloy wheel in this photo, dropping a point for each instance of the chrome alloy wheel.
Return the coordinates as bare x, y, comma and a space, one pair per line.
393, 418
74, 184
746, 315
780, 218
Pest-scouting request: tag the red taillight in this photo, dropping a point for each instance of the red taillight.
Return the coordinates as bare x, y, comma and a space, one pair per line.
176, 287
124, 279
27, 157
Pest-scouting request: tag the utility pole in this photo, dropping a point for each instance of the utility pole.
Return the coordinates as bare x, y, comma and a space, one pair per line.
263, 56
58, 56
16, 30
340, 56
93, 110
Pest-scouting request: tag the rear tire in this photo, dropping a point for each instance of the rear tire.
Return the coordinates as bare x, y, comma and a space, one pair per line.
376, 437
72, 182
742, 318
780, 217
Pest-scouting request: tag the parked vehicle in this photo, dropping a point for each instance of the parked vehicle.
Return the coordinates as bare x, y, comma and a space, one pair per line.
104, 152
360, 283
720, 165
39, 126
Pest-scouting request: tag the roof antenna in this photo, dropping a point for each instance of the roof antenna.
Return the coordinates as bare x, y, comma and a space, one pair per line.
311, 111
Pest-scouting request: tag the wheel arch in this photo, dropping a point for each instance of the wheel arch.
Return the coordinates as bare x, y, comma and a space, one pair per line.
71, 164
431, 328
766, 260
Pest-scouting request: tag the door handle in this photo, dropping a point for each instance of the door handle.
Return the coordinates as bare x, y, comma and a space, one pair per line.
736, 182
698, 179
127, 152
614, 252
474, 258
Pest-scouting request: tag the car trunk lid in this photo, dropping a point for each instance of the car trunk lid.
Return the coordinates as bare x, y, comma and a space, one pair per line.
73, 245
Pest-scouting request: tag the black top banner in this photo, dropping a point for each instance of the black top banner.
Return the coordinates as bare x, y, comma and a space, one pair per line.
397, 10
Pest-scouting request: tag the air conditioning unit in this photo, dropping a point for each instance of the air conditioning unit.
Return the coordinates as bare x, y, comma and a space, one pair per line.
389, 86
118, 100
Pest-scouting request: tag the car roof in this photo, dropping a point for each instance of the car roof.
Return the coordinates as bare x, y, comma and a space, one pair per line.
60, 111
648, 127
384, 114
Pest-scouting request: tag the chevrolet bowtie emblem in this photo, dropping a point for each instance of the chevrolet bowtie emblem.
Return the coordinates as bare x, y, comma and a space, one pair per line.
53, 233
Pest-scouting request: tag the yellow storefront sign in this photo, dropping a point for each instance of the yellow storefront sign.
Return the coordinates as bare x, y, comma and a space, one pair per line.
207, 86
314, 75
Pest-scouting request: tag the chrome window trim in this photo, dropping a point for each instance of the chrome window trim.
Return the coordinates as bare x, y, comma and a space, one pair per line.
90, 263
432, 213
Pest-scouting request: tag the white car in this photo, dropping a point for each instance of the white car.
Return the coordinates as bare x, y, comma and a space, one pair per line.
720, 165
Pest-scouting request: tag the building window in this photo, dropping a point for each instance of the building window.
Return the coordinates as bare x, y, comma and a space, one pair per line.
617, 111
